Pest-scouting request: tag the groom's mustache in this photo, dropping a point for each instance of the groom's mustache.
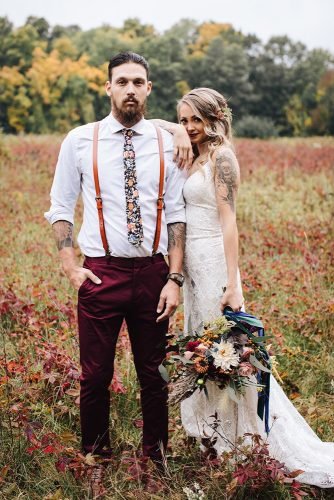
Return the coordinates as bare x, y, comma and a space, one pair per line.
130, 99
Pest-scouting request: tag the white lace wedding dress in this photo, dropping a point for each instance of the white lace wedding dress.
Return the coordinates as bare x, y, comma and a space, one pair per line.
291, 440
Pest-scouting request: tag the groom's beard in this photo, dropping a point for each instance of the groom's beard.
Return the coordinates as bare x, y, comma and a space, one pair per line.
129, 117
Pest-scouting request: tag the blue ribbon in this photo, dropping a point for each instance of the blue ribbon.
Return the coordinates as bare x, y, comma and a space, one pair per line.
248, 323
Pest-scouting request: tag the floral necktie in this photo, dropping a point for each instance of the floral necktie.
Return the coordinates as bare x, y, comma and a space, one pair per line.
133, 216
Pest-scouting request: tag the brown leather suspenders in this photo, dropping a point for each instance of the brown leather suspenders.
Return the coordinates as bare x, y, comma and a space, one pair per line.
160, 200
98, 190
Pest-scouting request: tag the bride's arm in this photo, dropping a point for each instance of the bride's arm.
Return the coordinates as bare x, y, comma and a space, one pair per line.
183, 152
227, 177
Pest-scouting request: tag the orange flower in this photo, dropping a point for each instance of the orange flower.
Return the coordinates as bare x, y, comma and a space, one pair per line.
201, 364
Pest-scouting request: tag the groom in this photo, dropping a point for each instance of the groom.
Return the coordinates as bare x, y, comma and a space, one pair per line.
124, 274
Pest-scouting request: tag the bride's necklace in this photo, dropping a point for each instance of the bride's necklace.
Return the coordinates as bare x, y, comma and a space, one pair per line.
201, 159
198, 163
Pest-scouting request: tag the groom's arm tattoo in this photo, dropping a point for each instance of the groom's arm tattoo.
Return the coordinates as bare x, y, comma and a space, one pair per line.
63, 232
176, 235
226, 177
169, 126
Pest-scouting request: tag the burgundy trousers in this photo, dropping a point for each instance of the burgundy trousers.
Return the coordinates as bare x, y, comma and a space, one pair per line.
130, 290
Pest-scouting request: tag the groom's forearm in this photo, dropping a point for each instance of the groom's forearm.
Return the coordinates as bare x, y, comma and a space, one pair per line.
176, 243
171, 127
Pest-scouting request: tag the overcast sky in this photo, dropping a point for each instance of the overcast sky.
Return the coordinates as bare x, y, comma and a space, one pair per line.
308, 21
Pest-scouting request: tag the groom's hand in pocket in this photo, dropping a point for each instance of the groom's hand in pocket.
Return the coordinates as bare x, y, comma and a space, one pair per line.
169, 300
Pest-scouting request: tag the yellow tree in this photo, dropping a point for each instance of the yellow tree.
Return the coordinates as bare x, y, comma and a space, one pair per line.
323, 114
206, 33
65, 47
15, 103
62, 90
297, 116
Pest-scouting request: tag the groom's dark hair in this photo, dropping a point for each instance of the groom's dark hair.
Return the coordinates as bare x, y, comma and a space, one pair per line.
126, 57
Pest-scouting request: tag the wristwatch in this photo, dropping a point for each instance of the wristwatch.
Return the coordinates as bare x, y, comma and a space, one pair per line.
176, 277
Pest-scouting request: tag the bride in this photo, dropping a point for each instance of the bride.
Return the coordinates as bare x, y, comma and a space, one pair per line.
212, 281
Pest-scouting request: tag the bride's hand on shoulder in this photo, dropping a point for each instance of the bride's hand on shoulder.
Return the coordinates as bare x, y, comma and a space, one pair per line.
183, 151
232, 297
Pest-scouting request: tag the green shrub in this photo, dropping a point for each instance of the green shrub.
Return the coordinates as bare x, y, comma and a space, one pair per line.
255, 126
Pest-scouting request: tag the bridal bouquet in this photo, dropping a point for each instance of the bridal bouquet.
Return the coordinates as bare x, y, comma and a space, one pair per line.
229, 351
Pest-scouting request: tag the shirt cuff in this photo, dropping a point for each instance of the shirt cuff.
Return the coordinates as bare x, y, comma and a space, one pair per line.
176, 216
55, 215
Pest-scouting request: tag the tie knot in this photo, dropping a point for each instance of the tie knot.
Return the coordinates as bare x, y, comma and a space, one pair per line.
127, 132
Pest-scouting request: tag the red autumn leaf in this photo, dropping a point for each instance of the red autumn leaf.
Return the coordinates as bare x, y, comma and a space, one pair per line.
3, 473
243, 473
299, 494
296, 473
154, 485
117, 385
137, 467
31, 449
138, 423
49, 449
61, 465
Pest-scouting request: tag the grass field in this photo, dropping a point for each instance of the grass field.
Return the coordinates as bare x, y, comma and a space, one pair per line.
285, 219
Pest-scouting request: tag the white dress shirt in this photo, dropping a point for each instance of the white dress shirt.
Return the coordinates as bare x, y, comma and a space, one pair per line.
74, 175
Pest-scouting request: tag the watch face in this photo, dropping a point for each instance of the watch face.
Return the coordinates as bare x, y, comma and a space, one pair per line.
178, 278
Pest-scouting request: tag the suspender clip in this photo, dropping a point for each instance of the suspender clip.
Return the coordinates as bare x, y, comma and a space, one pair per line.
98, 200
160, 203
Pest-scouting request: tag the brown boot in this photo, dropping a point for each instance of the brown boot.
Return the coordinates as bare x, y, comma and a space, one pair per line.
95, 481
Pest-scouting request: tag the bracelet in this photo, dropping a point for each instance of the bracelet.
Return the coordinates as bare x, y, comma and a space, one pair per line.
178, 278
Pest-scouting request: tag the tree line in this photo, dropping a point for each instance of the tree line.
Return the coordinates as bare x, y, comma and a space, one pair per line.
52, 77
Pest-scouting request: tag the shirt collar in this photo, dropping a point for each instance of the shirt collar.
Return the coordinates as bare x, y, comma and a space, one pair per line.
116, 126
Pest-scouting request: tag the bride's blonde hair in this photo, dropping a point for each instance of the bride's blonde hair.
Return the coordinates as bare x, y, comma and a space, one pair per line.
211, 107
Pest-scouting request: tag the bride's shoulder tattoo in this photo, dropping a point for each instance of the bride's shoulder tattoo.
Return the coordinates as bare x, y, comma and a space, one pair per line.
63, 231
226, 176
